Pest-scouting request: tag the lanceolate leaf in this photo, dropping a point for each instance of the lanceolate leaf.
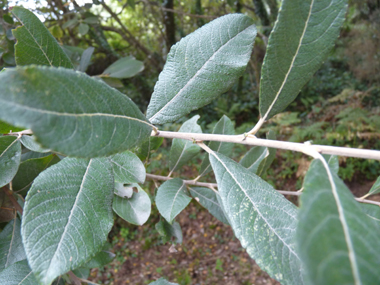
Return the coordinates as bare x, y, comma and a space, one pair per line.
127, 168
124, 68
30, 143
135, 210
29, 170
68, 205
85, 59
70, 112
336, 239
202, 66
184, 150
35, 44
10, 155
11, 248
262, 219
254, 157
223, 127
18, 273
172, 198
208, 199
301, 39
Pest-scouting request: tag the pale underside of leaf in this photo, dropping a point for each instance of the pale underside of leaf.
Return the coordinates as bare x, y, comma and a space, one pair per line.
202, 66
262, 219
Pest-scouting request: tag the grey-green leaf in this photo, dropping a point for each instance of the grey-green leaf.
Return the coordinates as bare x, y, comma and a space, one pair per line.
208, 199
101, 259
332, 161
202, 66
372, 212
83, 29
123, 191
35, 44
10, 155
162, 281
335, 238
70, 112
302, 38
11, 248
127, 168
124, 68
254, 157
267, 161
29, 170
135, 210
223, 127
68, 205
184, 150
30, 143
85, 59
167, 231
375, 189
262, 219
172, 198
18, 273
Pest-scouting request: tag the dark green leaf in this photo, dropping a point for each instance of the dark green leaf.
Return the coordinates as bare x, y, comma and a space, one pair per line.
8, 19
29, 170
82, 273
101, 259
208, 199
223, 127
10, 155
18, 273
375, 189
267, 161
6, 128
254, 157
162, 281
9, 59
83, 29
169, 231
70, 112
68, 205
30, 143
124, 68
184, 150
70, 23
202, 66
172, 198
91, 20
302, 38
152, 144
127, 168
11, 248
135, 210
31, 154
85, 59
35, 45
336, 239
262, 219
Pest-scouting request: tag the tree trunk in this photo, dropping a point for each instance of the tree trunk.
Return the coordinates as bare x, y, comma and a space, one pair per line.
169, 23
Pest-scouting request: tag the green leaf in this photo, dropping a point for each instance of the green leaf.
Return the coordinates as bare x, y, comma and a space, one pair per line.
172, 198
82, 273
30, 143
70, 112
100, 260
167, 231
223, 127
123, 191
162, 281
301, 40
332, 161
152, 144
10, 155
18, 273
29, 170
124, 68
11, 248
7, 128
68, 205
70, 23
85, 59
375, 189
91, 20
208, 199
135, 210
335, 238
35, 45
127, 168
56, 31
202, 66
262, 219
372, 212
254, 157
7, 18
267, 161
184, 150
83, 29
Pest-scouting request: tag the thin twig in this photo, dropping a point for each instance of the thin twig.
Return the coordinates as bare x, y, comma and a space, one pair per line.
214, 185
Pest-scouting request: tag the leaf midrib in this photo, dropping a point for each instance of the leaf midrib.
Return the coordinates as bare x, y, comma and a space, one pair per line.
196, 74
175, 197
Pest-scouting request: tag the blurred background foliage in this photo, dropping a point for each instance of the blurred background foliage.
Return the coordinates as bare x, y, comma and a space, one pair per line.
339, 106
